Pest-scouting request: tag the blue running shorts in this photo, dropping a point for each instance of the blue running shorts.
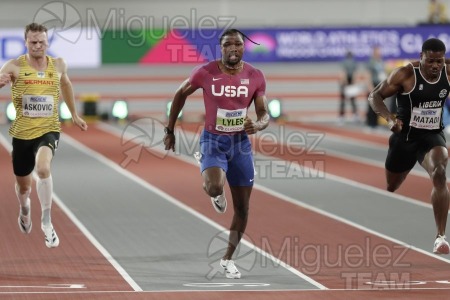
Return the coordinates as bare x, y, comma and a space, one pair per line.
232, 153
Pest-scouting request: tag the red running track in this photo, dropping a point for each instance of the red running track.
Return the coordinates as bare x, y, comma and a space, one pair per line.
333, 256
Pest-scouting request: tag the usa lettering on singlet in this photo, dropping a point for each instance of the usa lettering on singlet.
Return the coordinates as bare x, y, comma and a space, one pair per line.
35, 95
227, 97
422, 108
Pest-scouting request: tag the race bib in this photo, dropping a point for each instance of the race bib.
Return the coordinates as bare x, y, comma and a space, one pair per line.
230, 120
40, 106
426, 118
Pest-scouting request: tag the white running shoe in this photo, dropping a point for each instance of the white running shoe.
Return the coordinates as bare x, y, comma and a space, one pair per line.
230, 269
219, 203
25, 221
51, 238
441, 245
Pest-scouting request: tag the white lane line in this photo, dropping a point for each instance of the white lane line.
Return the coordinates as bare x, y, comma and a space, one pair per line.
85, 231
367, 161
97, 244
346, 221
179, 204
291, 200
48, 286
359, 142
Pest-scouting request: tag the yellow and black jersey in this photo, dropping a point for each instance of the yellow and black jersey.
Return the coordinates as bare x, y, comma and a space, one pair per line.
35, 95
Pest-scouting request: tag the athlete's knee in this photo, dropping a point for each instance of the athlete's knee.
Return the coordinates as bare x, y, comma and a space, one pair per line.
391, 188
394, 180
23, 188
23, 183
438, 176
392, 185
42, 171
241, 212
213, 189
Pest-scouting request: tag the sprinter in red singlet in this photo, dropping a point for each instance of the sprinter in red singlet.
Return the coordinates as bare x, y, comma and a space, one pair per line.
230, 86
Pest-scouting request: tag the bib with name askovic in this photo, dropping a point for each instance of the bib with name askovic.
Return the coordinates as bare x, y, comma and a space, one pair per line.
37, 106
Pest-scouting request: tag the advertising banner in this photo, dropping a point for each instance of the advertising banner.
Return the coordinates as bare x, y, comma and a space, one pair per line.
275, 45
78, 47
331, 44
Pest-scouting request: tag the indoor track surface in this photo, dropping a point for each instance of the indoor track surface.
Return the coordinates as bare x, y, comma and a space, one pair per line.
135, 223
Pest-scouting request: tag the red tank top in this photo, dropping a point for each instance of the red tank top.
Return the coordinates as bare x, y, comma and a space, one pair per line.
227, 97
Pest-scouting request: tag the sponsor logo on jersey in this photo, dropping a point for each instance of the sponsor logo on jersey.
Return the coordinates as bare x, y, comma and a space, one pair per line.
233, 114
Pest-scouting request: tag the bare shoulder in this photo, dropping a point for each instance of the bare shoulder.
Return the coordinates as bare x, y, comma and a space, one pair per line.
403, 77
10, 66
404, 73
60, 64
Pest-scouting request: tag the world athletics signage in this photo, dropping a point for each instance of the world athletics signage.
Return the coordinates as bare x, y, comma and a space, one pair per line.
330, 44
276, 45
83, 48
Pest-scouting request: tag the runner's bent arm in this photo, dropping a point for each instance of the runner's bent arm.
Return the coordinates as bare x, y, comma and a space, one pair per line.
387, 88
179, 99
8, 72
178, 102
67, 93
262, 116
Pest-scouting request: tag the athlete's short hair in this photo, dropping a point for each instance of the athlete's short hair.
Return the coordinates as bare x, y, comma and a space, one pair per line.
35, 27
434, 45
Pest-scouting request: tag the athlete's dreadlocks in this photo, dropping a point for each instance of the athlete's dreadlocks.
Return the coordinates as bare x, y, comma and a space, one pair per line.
234, 31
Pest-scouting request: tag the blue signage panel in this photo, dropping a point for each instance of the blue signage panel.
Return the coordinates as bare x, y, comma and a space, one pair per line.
325, 44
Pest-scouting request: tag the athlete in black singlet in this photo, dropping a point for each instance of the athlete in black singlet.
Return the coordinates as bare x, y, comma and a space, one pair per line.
421, 88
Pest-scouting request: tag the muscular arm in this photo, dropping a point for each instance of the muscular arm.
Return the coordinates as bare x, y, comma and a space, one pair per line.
9, 72
67, 93
178, 102
262, 116
387, 88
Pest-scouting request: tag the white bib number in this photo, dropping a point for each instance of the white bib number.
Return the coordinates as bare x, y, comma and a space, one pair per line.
230, 120
426, 118
37, 106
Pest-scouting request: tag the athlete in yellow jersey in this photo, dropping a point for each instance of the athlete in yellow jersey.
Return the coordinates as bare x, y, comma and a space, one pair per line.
36, 82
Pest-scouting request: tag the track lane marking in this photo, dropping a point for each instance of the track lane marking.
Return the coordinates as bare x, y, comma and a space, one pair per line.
4, 142
111, 129
96, 155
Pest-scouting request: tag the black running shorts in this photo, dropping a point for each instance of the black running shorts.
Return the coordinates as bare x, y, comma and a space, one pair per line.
24, 152
403, 155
